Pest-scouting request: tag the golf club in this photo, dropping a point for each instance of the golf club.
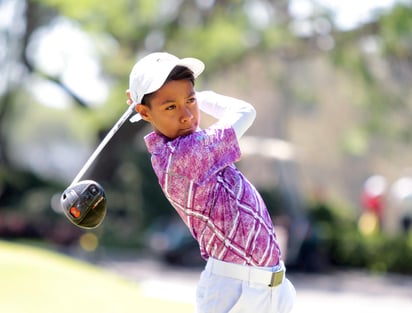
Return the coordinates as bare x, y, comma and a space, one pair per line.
84, 202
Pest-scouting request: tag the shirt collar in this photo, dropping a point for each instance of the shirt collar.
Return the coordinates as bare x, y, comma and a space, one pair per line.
155, 142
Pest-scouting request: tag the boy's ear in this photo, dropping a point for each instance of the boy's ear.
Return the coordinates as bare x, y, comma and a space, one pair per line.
143, 110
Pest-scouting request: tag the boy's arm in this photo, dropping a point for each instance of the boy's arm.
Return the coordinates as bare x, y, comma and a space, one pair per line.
229, 111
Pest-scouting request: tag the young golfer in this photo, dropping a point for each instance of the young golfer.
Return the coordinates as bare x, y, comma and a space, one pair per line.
196, 171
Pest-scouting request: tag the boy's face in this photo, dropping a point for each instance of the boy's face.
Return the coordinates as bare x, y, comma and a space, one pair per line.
173, 109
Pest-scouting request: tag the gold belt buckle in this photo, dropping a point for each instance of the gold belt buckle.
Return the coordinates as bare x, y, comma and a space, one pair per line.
276, 279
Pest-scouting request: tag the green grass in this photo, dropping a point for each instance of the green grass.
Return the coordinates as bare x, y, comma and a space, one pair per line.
34, 280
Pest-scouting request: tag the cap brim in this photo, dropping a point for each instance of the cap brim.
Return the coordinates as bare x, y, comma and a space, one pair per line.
195, 65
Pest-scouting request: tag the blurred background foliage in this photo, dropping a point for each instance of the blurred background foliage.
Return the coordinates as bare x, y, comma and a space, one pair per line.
340, 95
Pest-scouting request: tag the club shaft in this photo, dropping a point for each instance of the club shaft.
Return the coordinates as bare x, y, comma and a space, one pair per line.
103, 143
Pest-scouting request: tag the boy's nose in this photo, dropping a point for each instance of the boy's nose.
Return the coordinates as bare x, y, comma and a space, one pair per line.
186, 115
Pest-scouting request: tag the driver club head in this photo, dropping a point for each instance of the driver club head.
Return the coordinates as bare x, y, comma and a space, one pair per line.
84, 204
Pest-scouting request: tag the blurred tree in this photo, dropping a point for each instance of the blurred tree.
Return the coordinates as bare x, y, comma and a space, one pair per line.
219, 32
378, 57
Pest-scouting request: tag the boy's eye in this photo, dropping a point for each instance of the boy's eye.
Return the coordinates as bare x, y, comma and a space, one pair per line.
171, 107
191, 100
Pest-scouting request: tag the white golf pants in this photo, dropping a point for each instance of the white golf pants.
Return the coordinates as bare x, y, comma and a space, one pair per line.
232, 288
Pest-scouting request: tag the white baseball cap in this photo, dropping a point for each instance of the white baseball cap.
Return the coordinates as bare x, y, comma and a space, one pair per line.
150, 73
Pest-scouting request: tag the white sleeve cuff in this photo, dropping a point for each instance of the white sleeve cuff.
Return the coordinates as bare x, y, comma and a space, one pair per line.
227, 110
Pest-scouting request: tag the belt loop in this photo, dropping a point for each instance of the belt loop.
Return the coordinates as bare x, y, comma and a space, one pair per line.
249, 277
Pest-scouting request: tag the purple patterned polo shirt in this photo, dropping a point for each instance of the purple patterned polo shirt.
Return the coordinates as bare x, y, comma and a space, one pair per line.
222, 209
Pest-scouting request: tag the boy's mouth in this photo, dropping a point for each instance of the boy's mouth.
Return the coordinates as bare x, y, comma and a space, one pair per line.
188, 130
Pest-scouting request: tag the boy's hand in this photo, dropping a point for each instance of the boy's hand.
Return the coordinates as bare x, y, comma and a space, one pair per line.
129, 98
135, 118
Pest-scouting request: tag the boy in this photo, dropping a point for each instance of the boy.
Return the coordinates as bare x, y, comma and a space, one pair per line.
221, 208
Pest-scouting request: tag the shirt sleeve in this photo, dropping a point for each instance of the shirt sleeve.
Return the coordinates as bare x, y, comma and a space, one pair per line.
228, 111
204, 153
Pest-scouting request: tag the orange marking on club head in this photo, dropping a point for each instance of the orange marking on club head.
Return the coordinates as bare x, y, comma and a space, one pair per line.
75, 212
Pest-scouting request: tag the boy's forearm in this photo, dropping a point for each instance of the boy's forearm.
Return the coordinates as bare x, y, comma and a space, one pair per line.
228, 110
